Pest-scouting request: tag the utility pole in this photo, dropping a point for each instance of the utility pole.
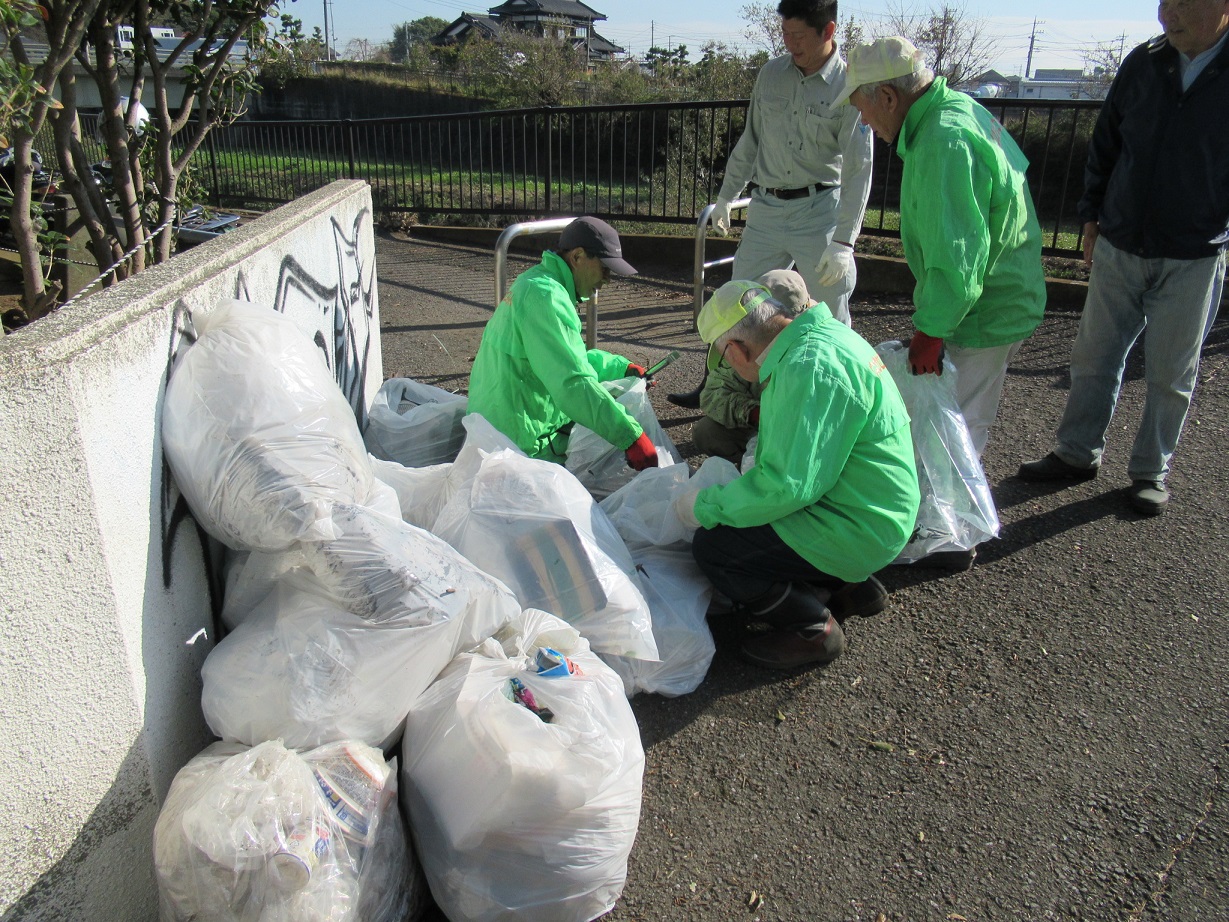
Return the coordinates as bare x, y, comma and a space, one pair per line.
1028, 65
328, 56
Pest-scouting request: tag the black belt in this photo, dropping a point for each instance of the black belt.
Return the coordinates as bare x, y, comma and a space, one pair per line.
787, 194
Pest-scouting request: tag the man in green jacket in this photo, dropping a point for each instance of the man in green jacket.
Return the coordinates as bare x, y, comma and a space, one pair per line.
532, 377
731, 405
967, 222
834, 491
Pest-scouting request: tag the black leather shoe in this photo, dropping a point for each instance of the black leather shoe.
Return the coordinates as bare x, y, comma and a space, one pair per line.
808, 646
1148, 496
1052, 467
858, 600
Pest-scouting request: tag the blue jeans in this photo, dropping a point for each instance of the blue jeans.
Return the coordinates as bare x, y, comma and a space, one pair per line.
1169, 301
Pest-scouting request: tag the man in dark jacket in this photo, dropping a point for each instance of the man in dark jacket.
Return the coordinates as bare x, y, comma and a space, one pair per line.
1156, 209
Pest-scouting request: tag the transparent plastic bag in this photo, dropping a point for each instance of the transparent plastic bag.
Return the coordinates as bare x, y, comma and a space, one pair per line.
303, 668
678, 594
531, 524
249, 834
415, 424
603, 467
259, 437
957, 510
516, 817
643, 511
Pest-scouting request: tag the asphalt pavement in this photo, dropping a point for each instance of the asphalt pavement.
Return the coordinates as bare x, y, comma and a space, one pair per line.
1045, 736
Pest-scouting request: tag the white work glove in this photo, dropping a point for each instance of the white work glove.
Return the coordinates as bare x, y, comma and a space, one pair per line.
684, 507
720, 217
836, 263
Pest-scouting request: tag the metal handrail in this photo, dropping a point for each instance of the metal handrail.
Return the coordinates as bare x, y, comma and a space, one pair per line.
526, 228
701, 267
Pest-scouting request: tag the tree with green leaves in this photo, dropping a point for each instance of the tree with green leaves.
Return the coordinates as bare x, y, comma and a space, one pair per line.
667, 63
149, 159
411, 35
288, 53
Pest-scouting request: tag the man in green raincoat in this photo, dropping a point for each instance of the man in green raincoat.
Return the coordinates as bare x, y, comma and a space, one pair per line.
967, 223
533, 378
834, 491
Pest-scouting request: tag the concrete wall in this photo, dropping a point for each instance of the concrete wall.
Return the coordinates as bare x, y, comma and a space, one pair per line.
109, 591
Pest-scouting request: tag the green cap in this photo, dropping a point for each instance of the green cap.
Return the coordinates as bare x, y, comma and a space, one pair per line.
729, 304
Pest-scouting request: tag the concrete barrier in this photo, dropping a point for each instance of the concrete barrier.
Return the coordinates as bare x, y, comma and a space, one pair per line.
111, 592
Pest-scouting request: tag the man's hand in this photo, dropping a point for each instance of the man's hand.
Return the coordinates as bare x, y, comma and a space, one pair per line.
1092, 230
754, 417
641, 454
720, 217
684, 506
635, 371
836, 263
926, 354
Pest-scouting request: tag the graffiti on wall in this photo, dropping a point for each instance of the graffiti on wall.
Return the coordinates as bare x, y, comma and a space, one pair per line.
335, 303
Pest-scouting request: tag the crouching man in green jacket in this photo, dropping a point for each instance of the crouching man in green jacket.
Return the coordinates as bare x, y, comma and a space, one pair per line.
834, 492
532, 377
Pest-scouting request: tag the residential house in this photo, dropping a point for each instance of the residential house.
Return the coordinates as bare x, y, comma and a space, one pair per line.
563, 20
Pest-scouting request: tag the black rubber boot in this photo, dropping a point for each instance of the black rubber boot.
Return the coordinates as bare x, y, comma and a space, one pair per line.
691, 399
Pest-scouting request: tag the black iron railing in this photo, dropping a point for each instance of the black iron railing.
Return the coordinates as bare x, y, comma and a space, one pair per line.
654, 163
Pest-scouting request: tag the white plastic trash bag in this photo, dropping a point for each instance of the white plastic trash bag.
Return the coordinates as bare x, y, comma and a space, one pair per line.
415, 424
269, 835
957, 510
642, 511
531, 524
603, 467
523, 789
302, 668
259, 437
423, 491
678, 594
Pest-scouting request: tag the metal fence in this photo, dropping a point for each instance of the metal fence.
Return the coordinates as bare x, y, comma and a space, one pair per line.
648, 164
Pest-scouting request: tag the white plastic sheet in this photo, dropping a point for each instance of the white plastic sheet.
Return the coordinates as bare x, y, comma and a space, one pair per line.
415, 424
303, 668
602, 467
270, 835
259, 437
517, 818
957, 510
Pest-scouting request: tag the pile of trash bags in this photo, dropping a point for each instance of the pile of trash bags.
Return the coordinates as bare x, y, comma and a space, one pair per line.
422, 585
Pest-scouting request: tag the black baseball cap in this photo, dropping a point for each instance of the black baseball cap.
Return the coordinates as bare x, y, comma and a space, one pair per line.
600, 240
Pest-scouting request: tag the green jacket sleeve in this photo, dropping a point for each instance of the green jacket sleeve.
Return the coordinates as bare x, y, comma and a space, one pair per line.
800, 457
556, 352
608, 365
727, 399
953, 222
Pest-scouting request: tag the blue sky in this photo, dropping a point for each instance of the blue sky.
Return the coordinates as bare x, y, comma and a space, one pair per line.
1064, 28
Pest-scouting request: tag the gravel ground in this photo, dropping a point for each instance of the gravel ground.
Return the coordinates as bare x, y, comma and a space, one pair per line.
1042, 737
